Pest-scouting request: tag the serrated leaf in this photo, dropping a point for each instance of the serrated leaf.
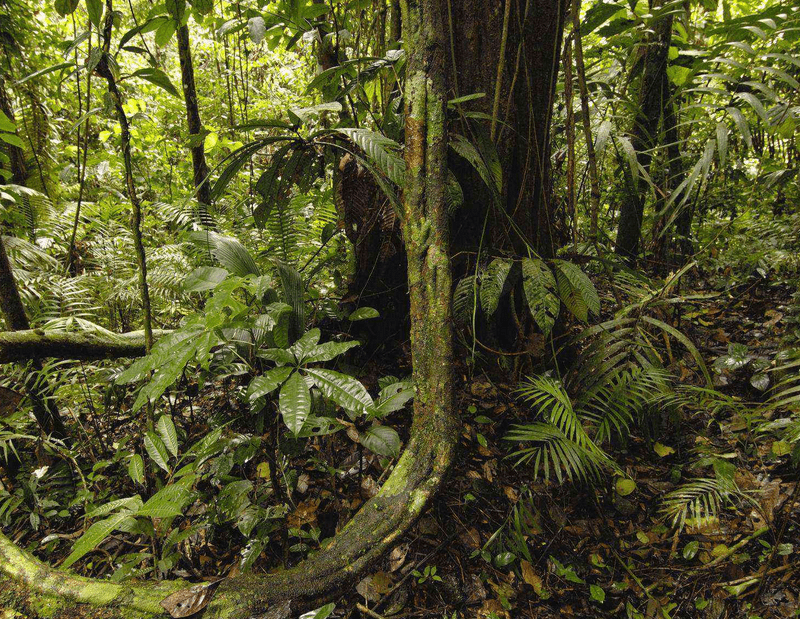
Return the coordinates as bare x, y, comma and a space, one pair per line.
166, 430
492, 282
157, 451
576, 290
294, 402
539, 286
344, 390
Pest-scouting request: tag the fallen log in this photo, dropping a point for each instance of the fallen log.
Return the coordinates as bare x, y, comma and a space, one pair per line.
84, 346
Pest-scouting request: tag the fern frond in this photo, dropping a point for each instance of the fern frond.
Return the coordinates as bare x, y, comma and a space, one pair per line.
552, 451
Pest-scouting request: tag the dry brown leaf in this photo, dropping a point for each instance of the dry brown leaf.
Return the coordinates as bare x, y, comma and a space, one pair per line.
187, 602
530, 576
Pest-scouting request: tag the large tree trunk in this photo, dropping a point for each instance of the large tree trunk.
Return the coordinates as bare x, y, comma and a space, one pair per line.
199, 166
434, 433
653, 96
526, 79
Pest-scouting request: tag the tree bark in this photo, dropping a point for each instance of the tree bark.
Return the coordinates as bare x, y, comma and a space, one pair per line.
653, 96
199, 165
434, 433
37, 344
526, 93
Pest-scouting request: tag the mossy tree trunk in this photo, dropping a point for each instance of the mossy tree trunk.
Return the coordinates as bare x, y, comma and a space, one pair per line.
419, 472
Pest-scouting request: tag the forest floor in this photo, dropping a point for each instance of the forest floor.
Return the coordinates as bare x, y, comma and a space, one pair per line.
498, 544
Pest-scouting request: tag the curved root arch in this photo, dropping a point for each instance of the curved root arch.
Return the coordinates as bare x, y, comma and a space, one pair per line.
374, 529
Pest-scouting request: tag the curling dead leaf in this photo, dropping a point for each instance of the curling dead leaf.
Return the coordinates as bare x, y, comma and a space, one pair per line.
530, 576
187, 602
398, 557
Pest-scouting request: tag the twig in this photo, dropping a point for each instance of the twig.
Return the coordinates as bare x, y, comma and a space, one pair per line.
368, 611
758, 533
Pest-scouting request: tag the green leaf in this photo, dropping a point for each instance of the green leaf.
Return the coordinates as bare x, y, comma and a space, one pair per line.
130, 504
95, 10
66, 7
328, 351
492, 282
624, 486
576, 290
157, 450
597, 594
278, 355
305, 344
167, 432
170, 501
381, 440
380, 150
204, 278
690, 550
304, 114
136, 469
257, 29
157, 77
267, 382
364, 313
539, 285
165, 32
345, 390
294, 403
6, 124
94, 536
